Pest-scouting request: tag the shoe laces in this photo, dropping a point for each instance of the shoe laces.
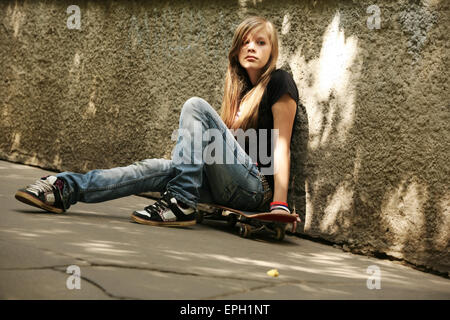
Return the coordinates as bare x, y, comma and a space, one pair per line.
157, 207
40, 186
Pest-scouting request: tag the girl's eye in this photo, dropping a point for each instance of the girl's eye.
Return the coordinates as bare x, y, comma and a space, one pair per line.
261, 42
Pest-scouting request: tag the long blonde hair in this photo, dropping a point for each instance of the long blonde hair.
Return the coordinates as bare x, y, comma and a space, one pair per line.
235, 83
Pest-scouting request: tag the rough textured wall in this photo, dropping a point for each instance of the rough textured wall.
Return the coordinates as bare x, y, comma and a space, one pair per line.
370, 165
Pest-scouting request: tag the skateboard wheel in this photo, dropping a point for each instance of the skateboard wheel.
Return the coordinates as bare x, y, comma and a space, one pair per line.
199, 217
245, 231
279, 233
231, 222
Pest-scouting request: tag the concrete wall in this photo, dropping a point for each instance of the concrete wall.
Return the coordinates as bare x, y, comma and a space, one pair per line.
371, 163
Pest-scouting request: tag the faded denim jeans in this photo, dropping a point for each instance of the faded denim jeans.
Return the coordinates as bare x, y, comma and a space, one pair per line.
238, 184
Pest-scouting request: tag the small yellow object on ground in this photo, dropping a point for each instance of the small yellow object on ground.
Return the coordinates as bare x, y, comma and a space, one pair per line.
273, 273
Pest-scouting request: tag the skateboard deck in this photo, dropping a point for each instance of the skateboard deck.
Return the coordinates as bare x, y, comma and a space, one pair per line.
250, 222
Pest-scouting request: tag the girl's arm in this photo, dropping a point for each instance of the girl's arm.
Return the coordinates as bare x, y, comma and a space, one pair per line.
283, 119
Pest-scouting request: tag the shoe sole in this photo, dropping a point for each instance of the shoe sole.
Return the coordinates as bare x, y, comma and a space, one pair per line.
163, 224
35, 202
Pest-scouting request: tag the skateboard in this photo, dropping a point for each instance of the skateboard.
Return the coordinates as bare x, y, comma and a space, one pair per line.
249, 222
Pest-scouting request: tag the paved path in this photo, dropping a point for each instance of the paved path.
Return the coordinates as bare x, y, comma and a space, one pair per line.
123, 260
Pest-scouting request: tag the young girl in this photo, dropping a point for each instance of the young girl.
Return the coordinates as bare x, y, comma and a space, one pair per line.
257, 97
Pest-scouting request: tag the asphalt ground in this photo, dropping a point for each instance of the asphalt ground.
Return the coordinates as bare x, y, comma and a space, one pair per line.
94, 251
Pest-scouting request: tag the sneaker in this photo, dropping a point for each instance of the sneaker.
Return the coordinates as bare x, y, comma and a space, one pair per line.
167, 211
45, 193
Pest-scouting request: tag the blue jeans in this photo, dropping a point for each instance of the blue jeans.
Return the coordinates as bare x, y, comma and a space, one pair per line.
238, 184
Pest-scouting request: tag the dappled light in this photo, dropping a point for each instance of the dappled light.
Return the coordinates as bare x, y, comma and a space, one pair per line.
327, 84
17, 18
402, 212
328, 265
340, 202
27, 234
372, 166
105, 247
138, 257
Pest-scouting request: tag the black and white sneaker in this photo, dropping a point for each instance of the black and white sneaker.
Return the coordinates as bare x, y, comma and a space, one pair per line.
167, 212
45, 193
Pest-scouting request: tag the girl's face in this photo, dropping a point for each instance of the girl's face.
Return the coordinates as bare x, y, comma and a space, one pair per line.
255, 50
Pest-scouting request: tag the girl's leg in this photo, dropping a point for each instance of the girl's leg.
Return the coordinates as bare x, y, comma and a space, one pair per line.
238, 184
233, 180
107, 184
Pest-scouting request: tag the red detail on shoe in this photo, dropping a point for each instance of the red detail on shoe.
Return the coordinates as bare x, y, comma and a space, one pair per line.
59, 184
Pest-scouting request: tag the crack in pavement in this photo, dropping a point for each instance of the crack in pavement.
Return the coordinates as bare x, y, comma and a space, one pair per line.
124, 266
62, 268
263, 283
102, 289
34, 268
176, 272
86, 263
246, 290
58, 268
